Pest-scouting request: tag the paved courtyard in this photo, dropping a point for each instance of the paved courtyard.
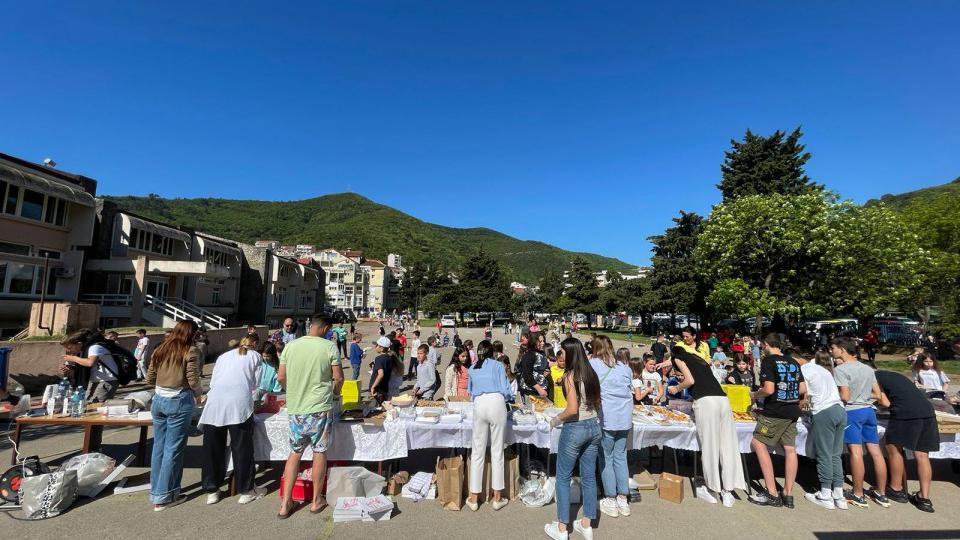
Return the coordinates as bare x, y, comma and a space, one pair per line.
131, 517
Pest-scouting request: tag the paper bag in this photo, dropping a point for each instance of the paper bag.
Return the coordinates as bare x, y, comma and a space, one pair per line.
353, 482
645, 480
450, 482
671, 487
511, 477
396, 483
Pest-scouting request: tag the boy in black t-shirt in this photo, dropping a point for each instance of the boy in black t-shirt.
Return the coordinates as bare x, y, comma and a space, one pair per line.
912, 426
781, 387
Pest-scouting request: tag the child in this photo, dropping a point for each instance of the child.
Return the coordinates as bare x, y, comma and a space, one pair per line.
426, 375
140, 353
742, 374
356, 355
647, 383
557, 369
719, 371
412, 371
719, 355
675, 379
928, 376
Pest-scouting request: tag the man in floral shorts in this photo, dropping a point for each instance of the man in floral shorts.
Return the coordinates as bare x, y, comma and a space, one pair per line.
310, 373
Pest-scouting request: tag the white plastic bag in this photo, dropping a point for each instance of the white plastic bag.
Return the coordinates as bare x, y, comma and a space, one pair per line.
538, 492
47, 495
91, 469
353, 482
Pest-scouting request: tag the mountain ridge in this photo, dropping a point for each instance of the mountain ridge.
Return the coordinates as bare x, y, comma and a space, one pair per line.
350, 220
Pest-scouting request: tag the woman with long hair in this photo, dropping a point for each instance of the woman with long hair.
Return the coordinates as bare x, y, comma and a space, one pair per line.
690, 342
616, 396
268, 371
456, 377
579, 440
716, 430
173, 371
490, 390
229, 410
499, 355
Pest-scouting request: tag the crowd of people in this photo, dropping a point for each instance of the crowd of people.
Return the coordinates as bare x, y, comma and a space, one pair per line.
594, 385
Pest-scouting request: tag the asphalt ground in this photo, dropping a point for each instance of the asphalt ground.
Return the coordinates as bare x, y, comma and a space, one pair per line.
131, 516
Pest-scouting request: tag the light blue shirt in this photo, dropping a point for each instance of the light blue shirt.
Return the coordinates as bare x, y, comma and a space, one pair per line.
616, 395
491, 378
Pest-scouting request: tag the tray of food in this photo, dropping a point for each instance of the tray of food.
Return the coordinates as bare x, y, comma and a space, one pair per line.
403, 400
743, 417
431, 403
539, 403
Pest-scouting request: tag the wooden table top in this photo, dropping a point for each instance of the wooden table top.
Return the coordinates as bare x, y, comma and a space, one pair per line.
90, 418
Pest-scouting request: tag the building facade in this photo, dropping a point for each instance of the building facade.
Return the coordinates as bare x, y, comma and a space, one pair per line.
276, 287
346, 282
46, 222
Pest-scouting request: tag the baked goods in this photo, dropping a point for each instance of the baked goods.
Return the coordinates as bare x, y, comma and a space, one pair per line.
539, 403
430, 403
742, 417
457, 398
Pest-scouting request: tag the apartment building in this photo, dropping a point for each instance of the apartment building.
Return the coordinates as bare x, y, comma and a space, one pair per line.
346, 281
277, 287
46, 222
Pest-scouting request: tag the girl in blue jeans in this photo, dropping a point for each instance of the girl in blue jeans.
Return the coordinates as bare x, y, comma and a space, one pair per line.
579, 441
175, 373
616, 393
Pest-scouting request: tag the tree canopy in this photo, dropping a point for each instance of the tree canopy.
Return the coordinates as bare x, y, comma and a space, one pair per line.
678, 287
583, 292
761, 165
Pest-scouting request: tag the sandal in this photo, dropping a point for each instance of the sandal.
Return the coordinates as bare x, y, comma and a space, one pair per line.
319, 508
289, 511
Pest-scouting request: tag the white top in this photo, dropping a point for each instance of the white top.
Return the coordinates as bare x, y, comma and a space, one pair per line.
99, 371
821, 387
931, 379
649, 380
142, 345
235, 379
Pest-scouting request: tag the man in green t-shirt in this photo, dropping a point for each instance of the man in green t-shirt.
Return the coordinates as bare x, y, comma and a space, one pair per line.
311, 375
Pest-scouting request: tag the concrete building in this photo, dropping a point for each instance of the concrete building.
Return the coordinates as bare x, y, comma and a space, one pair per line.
269, 244
276, 287
346, 281
143, 270
394, 261
46, 221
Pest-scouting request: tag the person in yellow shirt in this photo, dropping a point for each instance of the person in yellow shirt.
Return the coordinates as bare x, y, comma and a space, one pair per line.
692, 344
556, 373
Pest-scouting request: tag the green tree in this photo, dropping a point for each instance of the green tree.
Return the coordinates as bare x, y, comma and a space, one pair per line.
421, 279
483, 285
551, 289
583, 292
676, 286
790, 254
761, 165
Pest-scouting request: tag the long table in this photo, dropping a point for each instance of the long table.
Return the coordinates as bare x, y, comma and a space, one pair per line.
92, 424
392, 440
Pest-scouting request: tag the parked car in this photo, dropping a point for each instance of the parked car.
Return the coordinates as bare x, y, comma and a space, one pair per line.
448, 321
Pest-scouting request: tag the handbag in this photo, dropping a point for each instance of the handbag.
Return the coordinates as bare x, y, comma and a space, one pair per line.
47, 495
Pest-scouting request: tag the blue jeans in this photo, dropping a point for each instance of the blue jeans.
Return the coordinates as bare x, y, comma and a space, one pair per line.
171, 425
614, 471
579, 441
356, 371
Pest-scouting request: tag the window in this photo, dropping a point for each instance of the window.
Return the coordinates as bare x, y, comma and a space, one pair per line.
214, 256
15, 249
50, 254
306, 301
32, 205
61, 218
156, 245
148, 241
12, 195
215, 296
20, 279
280, 297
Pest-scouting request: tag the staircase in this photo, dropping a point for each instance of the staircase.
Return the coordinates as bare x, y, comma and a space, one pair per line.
168, 311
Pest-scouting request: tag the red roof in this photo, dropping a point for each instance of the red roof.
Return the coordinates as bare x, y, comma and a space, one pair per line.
374, 263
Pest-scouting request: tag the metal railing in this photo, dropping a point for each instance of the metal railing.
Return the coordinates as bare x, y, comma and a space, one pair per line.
109, 300
181, 310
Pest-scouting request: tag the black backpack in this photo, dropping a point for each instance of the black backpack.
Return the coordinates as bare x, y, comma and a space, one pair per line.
126, 362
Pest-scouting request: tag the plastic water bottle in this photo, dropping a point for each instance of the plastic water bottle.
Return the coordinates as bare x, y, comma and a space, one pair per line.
78, 403
67, 403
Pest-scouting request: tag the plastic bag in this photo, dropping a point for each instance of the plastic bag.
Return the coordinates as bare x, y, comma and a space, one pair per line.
353, 482
91, 470
538, 492
47, 495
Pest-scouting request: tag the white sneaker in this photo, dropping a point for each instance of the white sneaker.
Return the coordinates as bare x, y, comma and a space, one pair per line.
727, 498
815, 499
252, 495
841, 503
623, 505
553, 531
703, 494
609, 507
213, 498
587, 532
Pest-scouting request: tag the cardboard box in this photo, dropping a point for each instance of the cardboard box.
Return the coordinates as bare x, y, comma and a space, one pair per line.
671, 487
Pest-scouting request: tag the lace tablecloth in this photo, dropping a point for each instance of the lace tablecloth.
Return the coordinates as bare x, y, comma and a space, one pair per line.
351, 441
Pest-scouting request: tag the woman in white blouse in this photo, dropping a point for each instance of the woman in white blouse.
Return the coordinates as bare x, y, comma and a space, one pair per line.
229, 410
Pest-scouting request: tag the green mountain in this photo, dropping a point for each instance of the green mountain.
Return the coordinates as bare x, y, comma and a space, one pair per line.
348, 220
934, 213
949, 191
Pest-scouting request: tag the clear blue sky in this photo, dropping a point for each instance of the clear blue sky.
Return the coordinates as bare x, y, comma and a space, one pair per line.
584, 124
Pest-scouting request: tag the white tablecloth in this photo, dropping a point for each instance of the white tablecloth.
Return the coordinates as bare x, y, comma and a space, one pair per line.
355, 442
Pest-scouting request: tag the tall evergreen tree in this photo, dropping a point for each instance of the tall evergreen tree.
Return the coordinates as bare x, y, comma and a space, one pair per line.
483, 285
675, 285
551, 289
583, 292
761, 165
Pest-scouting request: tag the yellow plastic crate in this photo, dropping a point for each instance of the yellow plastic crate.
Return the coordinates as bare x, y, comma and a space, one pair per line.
350, 395
739, 396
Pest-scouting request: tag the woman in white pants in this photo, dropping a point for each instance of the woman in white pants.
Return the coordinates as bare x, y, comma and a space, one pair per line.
490, 391
716, 431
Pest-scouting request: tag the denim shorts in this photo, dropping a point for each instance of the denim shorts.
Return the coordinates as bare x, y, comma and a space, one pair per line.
314, 430
861, 427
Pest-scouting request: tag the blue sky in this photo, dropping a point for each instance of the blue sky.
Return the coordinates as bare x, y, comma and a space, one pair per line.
583, 124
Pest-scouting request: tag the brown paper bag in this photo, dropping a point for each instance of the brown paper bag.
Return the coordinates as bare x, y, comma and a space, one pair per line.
645, 480
396, 482
671, 487
450, 482
511, 477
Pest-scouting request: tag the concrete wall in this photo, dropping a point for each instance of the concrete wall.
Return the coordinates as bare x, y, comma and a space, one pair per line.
36, 363
62, 318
